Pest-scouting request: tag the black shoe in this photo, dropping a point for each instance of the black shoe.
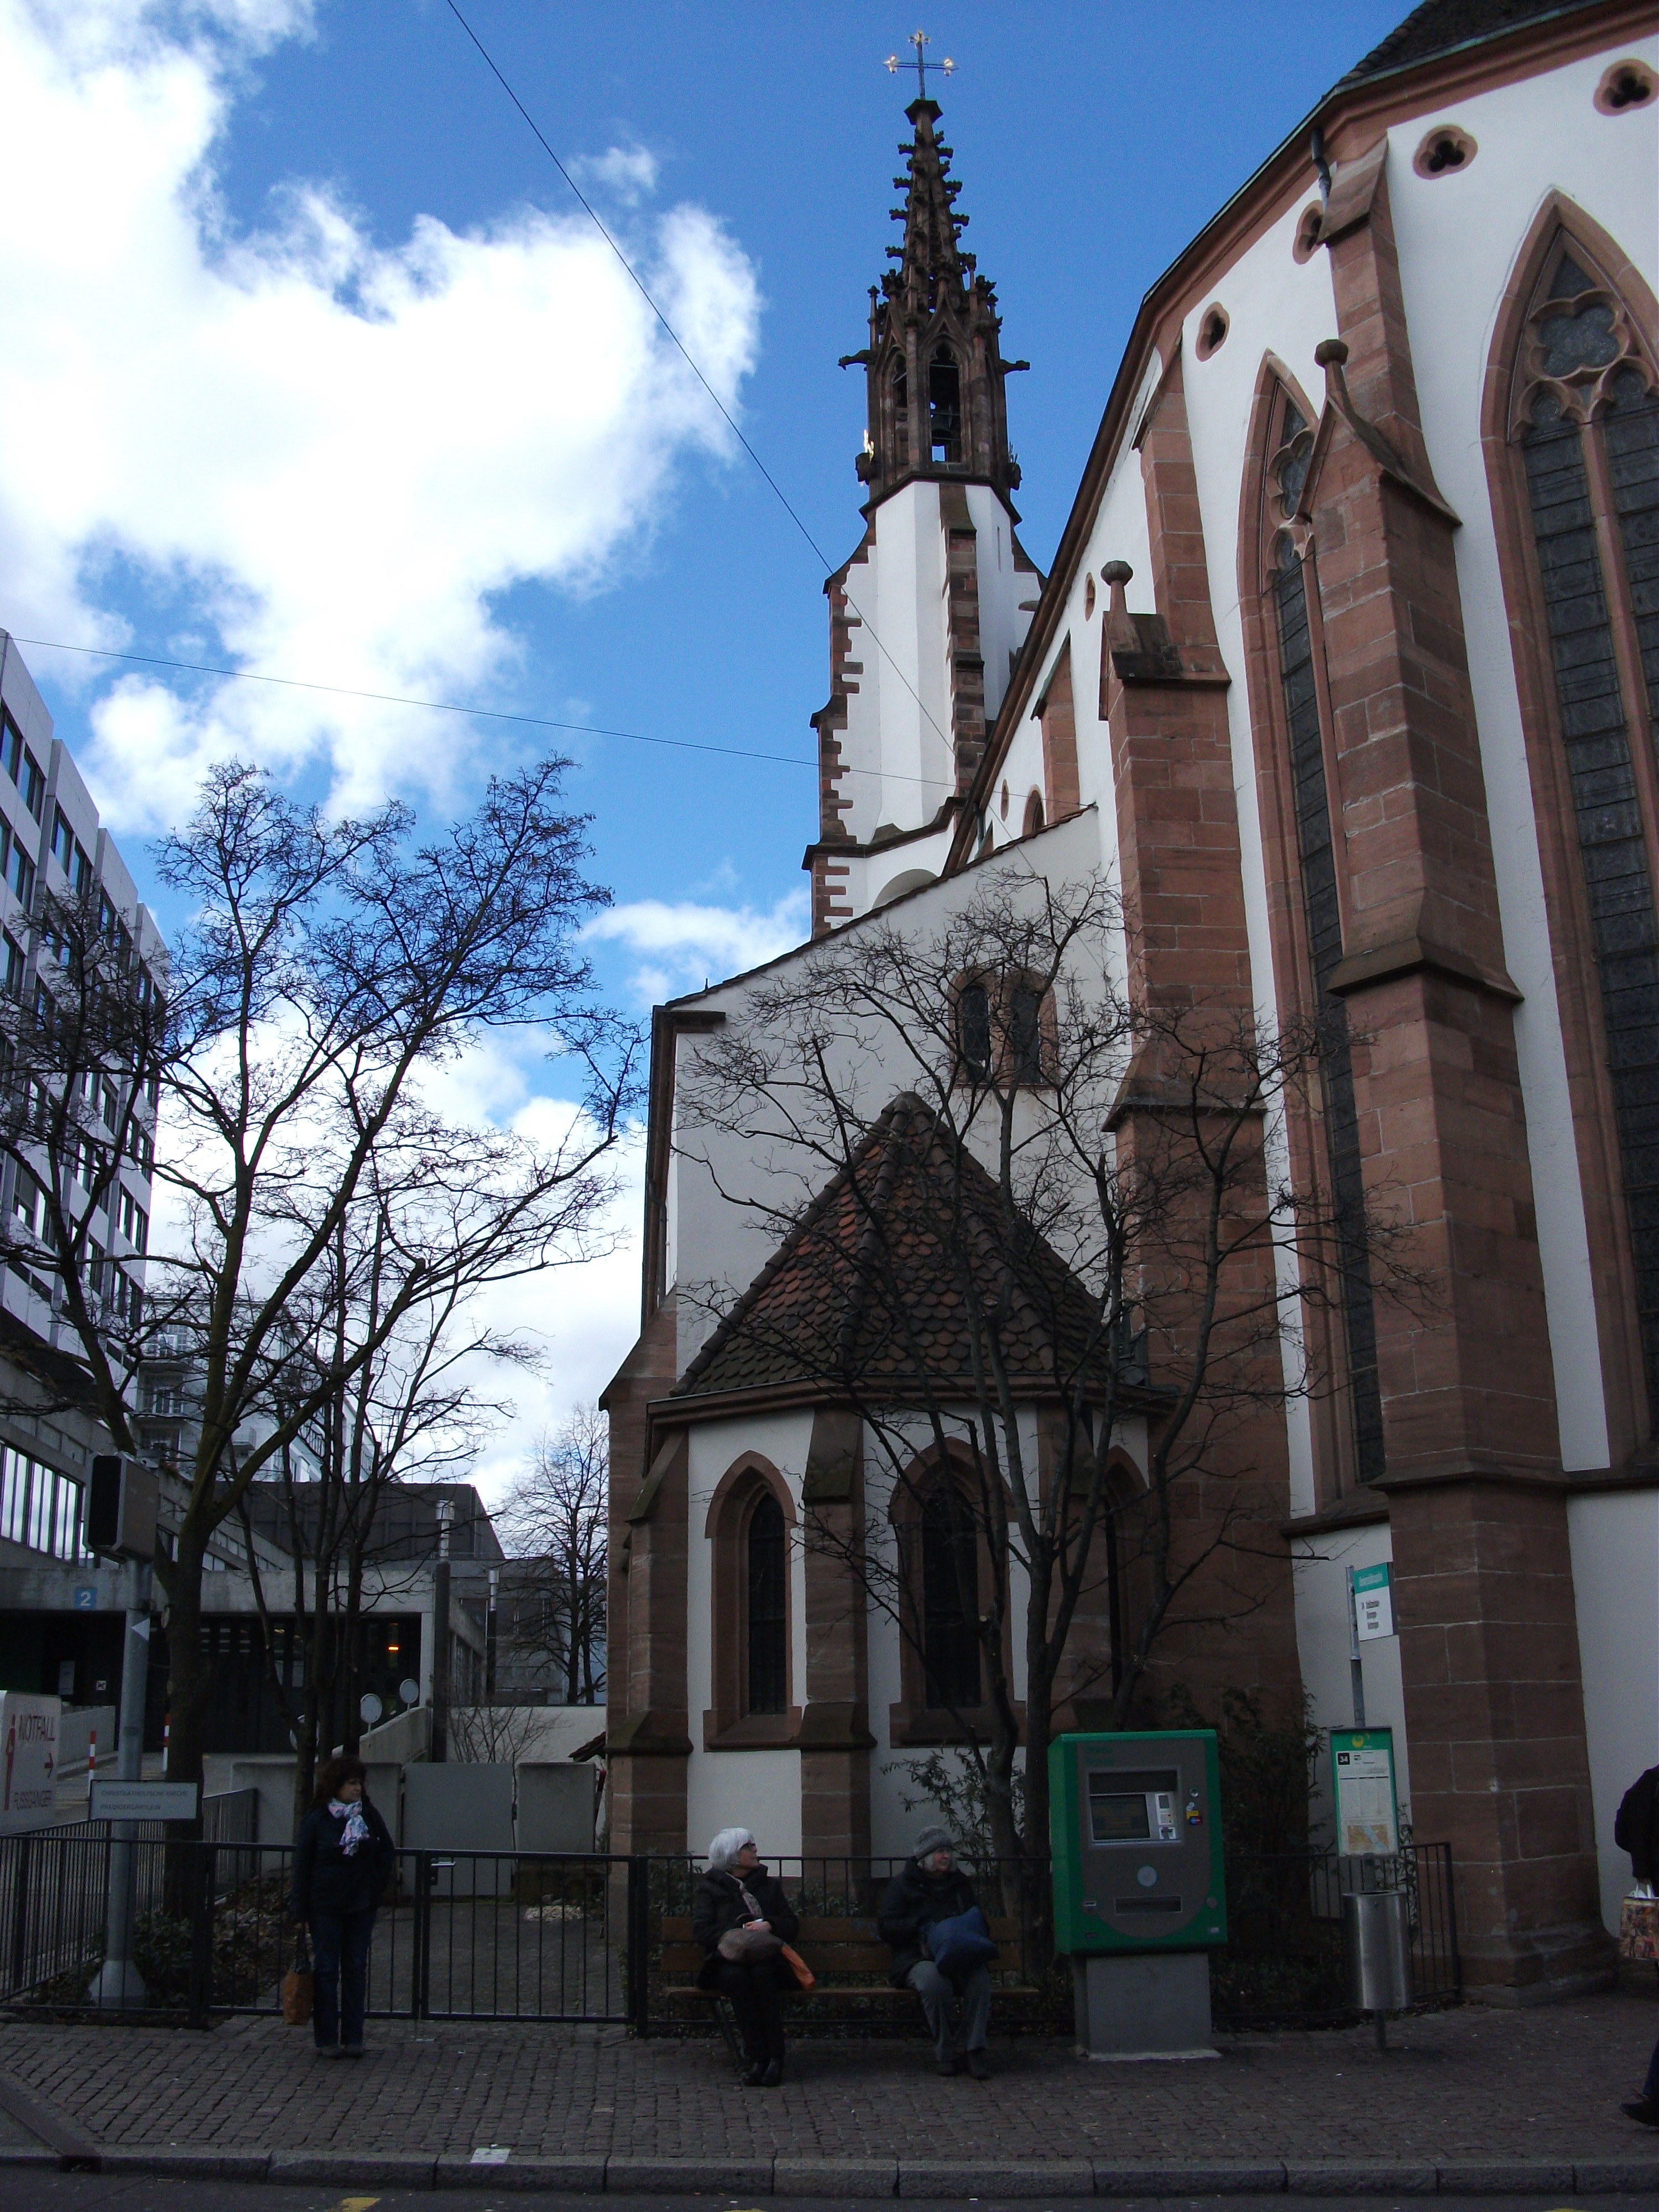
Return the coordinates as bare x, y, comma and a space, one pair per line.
949, 2067
1645, 2109
773, 2077
979, 2065
755, 2075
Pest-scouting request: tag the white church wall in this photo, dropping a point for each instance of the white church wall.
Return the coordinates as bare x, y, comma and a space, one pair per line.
1322, 1647
1614, 1536
1460, 235
909, 693
1002, 623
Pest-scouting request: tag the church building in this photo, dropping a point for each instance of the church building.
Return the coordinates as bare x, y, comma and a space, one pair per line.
1347, 677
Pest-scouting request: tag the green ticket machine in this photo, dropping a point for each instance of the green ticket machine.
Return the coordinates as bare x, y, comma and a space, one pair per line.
1140, 1887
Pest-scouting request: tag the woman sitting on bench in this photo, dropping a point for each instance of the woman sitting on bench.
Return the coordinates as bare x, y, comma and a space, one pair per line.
742, 1920
932, 1887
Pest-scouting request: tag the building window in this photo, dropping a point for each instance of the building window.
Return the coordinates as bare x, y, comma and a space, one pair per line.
39, 1508
1033, 815
768, 1563
974, 1032
1586, 422
944, 406
1005, 1031
62, 840
1321, 908
949, 1600
900, 389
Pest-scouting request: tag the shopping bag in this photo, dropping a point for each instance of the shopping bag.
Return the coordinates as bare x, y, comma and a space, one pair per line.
1639, 1929
298, 1986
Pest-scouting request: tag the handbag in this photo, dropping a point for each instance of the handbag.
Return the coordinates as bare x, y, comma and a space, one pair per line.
747, 1947
299, 1985
1639, 1927
799, 1967
958, 1945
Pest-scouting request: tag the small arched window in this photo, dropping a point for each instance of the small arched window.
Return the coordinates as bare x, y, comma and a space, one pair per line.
973, 1031
949, 1600
944, 406
767, 1625
1025, 1033
1033, 814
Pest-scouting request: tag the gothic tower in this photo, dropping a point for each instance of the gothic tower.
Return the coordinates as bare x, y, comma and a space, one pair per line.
928, 616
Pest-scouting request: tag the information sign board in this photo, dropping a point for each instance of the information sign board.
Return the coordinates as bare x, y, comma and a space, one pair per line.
142, 1801
28, 1760
1373, 1601
1367, 1812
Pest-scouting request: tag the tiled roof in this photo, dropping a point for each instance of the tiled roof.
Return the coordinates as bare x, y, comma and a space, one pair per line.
872, 1284
1439, 25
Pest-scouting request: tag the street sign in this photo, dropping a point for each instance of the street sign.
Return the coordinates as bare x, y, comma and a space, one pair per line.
86, 1597
28, 1751
142, 1801
1373, 1601
1367, 1812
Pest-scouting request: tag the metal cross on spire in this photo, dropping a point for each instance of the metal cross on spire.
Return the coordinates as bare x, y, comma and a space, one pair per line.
919, 39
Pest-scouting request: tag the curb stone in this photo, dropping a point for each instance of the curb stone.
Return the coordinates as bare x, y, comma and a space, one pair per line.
1600, 2176
835, 2177
18, 2154
185, 2164
1521, 2177
1228, 2178
976, 2177
1358, 2178
42, 2119
413, 2169
570, 2176
641, 2175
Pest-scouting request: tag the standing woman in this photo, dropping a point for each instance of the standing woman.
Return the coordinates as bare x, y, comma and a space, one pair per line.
342, 1858
738, 1900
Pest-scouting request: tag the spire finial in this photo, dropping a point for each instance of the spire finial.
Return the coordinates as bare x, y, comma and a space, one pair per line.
920, 39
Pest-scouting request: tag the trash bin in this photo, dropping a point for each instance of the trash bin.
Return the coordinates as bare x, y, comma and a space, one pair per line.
1376, 1947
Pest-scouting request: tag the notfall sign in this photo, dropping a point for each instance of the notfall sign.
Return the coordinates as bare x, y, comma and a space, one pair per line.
29, 1749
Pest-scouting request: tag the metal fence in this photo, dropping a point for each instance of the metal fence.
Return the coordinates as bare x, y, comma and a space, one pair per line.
459, 1935
500, 1935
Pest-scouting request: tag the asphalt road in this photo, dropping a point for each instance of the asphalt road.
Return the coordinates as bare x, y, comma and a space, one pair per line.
36, 2189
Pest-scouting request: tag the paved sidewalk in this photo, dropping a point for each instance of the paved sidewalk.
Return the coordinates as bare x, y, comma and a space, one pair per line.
1459, 2095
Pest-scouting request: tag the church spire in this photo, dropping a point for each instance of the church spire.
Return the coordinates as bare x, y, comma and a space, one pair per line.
934, 366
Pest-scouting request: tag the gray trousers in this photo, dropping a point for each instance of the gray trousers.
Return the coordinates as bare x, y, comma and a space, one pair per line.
950, 2006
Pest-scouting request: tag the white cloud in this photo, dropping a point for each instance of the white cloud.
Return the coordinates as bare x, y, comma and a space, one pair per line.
682, 945
335, 451
628, 173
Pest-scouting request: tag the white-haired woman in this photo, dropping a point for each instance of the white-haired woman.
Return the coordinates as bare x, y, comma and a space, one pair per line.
737, 1893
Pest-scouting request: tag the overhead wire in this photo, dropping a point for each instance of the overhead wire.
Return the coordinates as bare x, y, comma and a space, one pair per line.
727, 415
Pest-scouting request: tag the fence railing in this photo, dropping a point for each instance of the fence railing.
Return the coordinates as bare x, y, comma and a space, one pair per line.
494, 1935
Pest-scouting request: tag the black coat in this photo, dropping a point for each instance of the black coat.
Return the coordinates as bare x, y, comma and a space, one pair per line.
719, 1906
1636, 1829
328, 1882
915, 1900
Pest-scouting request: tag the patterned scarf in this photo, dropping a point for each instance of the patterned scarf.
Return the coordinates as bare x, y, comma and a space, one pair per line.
356, 1828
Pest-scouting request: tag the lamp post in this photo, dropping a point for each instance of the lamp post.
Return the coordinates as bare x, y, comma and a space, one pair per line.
440, 1633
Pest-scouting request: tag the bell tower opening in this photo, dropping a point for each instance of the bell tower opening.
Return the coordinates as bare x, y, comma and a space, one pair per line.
944, 407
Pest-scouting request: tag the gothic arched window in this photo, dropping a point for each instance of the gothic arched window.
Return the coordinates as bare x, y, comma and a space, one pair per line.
1321, 904
767, 1625
973, 1031
944, 406
899, 399
949, 1600
1585, 415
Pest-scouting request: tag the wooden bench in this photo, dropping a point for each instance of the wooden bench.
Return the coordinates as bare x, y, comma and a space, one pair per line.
851, 1963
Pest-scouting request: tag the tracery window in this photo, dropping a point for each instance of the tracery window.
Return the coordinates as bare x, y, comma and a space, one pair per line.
900, 393
1322, 907
768, 1608
1586, 417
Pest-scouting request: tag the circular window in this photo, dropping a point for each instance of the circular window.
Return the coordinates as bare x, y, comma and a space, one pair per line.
1445, 150
1305, 244
1088, 597
1213, 327
1627, 84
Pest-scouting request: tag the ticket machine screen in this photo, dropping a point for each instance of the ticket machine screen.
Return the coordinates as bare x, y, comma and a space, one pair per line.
1133, 1808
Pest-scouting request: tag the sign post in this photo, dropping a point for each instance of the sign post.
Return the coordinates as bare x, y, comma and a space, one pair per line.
119, 1983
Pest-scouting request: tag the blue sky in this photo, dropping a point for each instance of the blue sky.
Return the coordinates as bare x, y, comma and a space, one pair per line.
314, 366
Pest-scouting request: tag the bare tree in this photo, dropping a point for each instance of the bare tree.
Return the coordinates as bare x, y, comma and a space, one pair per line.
1065, 1222
328, 970
555, 1520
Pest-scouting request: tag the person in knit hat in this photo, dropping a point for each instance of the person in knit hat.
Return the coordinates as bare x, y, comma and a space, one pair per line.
930, 1887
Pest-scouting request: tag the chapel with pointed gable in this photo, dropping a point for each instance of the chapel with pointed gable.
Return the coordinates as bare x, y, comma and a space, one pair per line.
1343, 676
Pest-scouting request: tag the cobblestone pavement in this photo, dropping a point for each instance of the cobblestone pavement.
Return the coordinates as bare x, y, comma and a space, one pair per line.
1472, 2084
